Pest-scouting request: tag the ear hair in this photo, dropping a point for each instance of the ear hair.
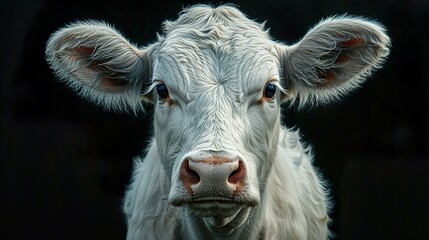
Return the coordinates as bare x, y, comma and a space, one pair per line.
333, 58
101, 65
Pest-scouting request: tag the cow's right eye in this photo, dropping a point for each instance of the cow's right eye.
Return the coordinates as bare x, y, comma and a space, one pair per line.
162, 90
270, 90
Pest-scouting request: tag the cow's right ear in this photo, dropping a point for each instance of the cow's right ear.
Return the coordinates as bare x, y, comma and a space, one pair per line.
99, 64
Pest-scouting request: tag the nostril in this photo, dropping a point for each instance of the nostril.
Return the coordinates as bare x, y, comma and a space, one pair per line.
237, 176
187, 175
194, 176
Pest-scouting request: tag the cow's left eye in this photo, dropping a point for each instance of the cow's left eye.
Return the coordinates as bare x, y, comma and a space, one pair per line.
270, 90
162, 90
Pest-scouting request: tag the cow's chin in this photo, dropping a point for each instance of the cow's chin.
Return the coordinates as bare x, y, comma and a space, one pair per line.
221, 217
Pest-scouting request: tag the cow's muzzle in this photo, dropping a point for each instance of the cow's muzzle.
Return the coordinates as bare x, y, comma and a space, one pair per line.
213, 183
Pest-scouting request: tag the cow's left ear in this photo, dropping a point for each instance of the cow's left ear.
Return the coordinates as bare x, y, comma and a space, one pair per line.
333, 58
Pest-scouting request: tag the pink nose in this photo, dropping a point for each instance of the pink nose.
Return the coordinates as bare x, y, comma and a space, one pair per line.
212, 177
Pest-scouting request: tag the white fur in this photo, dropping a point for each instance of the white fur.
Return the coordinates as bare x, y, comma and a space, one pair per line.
295, 205
215, 63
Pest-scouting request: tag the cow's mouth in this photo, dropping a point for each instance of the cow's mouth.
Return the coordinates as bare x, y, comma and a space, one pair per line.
220, 216
215, 207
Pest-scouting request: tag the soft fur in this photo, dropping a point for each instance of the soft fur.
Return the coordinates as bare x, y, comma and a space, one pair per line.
216, 64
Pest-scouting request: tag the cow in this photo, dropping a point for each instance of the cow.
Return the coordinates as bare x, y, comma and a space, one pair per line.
220, 163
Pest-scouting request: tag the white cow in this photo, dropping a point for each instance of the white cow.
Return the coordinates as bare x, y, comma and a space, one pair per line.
220, 164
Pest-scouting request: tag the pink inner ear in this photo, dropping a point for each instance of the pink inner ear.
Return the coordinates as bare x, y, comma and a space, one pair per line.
84, 51
342, 58
329, 75
113, 83
352, 42
107, 83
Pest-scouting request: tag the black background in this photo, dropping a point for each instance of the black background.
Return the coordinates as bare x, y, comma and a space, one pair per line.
65, 163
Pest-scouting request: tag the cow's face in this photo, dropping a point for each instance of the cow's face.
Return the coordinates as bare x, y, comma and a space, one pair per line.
216, 81
217, 118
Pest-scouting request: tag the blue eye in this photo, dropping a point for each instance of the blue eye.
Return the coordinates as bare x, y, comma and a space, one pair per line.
162, 90
270, 90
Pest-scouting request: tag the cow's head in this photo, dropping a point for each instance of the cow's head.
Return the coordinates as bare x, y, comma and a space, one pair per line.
217, 81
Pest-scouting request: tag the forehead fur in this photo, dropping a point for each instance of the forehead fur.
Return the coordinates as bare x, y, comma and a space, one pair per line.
223, 22
217, 46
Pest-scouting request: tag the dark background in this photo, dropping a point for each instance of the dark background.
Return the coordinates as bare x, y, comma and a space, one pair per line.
65, 163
